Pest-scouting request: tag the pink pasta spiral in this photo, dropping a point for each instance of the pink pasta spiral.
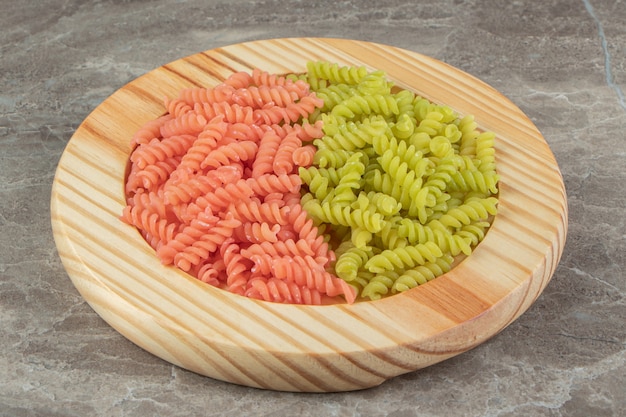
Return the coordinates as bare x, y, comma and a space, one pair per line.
287, 247
159, 150
154, 175
237, 267
283, 160
176, 192
255, 232
307, 272
306, 230
150, 222
177, 107
231, 193
205, 143
150, 130
244, 132
277, 290
189, 123
231, 113
307, 132
239, 80
218, 94
233, 152
268, 146
303, 156
197, 241
258, 97
291, 113
260, 77
255, 211
213, 273
271, 183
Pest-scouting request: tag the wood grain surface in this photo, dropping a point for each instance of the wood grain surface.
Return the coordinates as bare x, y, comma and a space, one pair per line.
305, 348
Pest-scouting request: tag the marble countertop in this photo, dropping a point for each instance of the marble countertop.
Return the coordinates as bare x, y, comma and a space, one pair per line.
563, 62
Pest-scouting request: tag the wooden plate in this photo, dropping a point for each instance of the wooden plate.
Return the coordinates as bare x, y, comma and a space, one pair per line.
305, 348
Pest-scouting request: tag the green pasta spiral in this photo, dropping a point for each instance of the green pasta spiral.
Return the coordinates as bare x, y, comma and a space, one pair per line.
408, 256
421, 274
366, 105
351, 260
334, 73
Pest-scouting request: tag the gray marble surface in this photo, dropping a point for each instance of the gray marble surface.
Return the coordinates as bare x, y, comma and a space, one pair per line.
563, 62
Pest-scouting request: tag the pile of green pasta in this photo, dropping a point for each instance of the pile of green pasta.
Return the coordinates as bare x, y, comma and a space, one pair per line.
399, 185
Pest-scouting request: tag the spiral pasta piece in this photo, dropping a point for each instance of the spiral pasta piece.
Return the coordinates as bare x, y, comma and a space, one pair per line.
202, 185
310, 174
189, 123
232, 152
334, 94
474, 232
264, 161
351, 261
421, 274
328, 158
217, 94
335, 73
185, 238
150, 223
257, 232
229, 112
485, 152
474, 180
278, 290
359, 106
405, 99
283, 159
254, 211
305, 271
152, 176
205, 143
212, 273
177, 107
207, 240
280, 248
291, 113
350, 180
150, 130
260, 77
469, 132
272, 183
345, 216
403, 257
470, 211
263, 95
160, 150
379, 285
303, 156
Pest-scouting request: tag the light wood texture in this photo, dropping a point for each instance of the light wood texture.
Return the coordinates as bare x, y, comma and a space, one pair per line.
305, 348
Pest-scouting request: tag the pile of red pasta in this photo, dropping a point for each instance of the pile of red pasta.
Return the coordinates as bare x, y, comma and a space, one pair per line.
214, 188
311, 188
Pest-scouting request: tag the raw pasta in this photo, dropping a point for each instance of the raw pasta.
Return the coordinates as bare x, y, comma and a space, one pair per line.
214, 188
307, 187
406, 183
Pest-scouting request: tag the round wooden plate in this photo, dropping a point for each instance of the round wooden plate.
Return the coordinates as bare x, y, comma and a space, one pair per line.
305, 348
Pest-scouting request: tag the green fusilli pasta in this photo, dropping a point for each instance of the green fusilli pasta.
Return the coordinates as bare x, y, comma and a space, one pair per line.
401, 185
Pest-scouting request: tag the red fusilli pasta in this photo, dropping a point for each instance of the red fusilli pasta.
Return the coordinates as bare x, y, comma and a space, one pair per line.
213, 187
